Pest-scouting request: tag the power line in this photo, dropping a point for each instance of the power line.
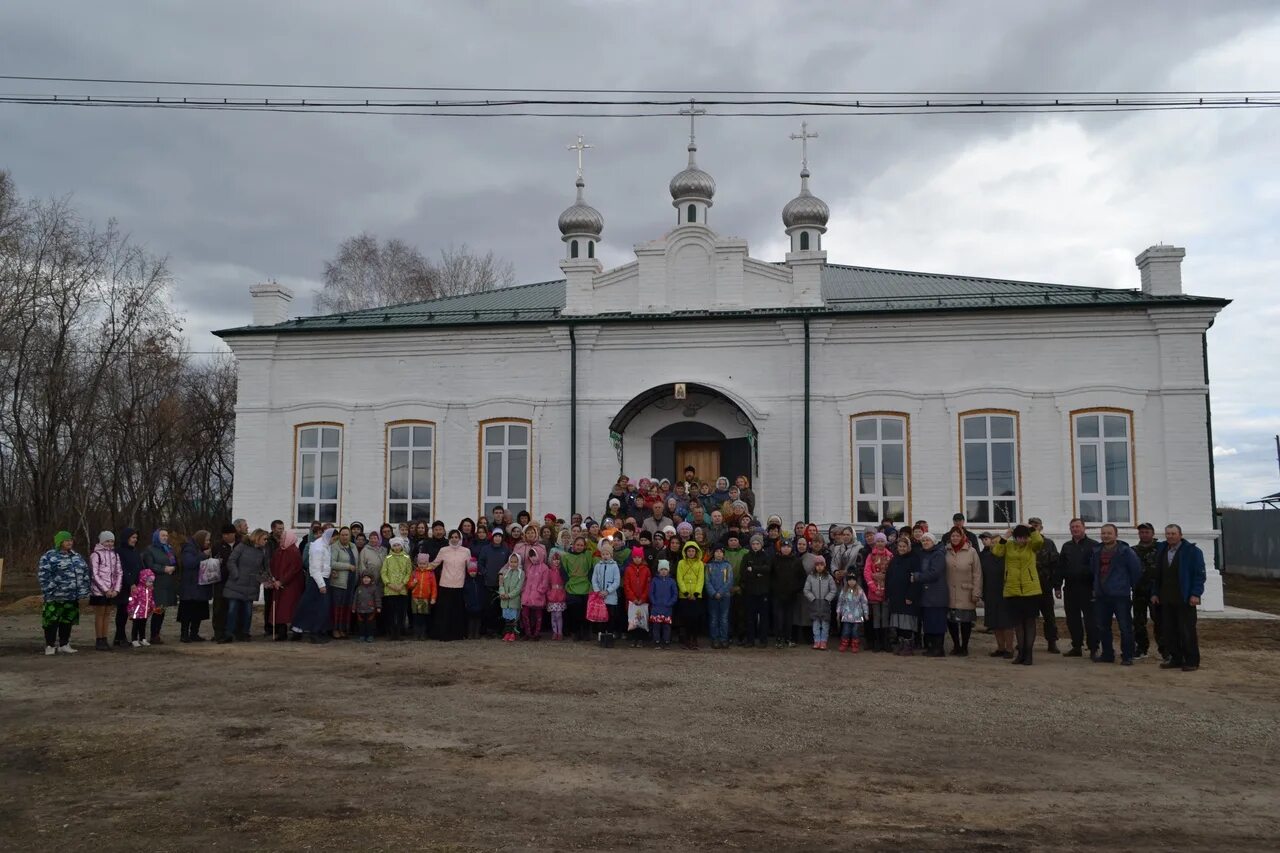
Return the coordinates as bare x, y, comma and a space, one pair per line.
685, 93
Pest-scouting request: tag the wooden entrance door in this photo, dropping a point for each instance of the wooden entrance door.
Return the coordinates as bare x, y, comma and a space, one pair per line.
704, 456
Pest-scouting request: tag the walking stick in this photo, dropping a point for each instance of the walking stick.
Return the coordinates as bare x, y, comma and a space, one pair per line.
275, 595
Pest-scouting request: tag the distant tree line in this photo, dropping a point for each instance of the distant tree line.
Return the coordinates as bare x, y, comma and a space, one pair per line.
106, 420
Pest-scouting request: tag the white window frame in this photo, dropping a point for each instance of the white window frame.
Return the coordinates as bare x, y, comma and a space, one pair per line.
505, 499
409, 501
878, 444
991, 499
316, 455
1099, 443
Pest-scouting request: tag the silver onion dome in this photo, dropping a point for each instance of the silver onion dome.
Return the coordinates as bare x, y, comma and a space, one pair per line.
806, 208
580, 217
692, 182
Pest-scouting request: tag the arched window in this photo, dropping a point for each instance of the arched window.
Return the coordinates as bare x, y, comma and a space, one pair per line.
573, 248
693, 213
591, 248
804, 241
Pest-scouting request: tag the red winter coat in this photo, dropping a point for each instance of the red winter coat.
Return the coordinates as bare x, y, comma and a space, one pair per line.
286, 567
635, 583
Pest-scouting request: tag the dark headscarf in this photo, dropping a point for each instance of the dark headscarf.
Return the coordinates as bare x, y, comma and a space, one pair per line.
130, 559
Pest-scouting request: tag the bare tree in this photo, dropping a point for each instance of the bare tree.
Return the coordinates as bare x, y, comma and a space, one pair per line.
368, 274
104, 417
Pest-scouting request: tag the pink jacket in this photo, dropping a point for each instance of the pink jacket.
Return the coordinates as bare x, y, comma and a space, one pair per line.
555, 579
105, 571
142, 599
877, 564
523, 548
537, 580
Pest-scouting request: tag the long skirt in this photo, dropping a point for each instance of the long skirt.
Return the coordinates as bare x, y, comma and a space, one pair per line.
934, 619
450, 619
312, 613
193, 610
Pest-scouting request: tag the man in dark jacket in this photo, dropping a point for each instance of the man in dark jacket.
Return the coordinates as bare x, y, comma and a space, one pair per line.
788, 581
490, 559
1179, 583
222, 550
1116, 571
757, 582
1074, 585
1146, 551
1046, 567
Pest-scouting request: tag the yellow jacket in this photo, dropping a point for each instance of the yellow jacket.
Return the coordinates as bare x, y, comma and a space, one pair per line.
691, 575
1020, 575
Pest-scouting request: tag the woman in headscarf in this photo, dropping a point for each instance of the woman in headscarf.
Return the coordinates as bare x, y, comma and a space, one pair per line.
130, 567
193, 598
247, 570
312, 614
286, 569
903, 593
450, 620
64, 580
160, 559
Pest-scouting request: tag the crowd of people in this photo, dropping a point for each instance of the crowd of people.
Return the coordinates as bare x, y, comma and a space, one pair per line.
687, 557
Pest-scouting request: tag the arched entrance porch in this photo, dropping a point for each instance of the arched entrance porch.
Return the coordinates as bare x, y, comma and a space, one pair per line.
656, 434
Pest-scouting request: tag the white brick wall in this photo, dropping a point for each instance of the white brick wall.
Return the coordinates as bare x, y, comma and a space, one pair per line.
1040, 364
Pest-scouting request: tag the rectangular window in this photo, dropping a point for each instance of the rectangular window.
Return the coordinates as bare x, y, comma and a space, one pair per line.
989, 458
880, 467
1104, 466
505, 466
319, 467
410, 472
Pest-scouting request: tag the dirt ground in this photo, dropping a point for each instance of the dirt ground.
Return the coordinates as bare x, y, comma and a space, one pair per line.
485, 746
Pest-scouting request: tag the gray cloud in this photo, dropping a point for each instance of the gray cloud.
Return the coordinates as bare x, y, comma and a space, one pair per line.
234, 198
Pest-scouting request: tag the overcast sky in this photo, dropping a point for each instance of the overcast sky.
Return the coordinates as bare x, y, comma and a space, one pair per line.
237, 198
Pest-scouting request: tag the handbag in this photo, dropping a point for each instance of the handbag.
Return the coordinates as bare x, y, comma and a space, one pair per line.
210, 571
597, 609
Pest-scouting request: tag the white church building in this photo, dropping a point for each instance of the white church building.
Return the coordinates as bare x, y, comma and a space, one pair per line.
844, 393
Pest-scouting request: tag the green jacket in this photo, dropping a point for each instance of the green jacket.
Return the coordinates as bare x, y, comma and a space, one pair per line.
396, 569
510, 585
1020, 575
577, 569
734, 556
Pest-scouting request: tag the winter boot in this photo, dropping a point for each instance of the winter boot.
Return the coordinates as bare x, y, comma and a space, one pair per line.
855, 646
844, 644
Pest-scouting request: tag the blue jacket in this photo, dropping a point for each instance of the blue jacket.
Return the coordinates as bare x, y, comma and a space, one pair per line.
1125, 574
606, 578
63, 577
1190, 569
719, 579
474, 594
490, 559
663, 593
931, 574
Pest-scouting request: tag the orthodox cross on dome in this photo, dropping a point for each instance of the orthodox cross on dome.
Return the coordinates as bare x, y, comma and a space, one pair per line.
804, 136
692, 111
579, 146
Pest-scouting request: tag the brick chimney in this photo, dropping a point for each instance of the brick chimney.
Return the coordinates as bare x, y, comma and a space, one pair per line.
270, 303
1161, 268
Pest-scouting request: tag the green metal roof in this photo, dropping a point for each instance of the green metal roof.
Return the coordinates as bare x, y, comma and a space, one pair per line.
845, 289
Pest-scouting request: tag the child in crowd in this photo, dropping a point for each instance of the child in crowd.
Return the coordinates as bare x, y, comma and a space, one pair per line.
142, 601
424, 589
663, 594
473, 590
366, 604
635, 584
557, 597
510, 585
719, 589
819, 590
851, 608
607, 578
533, 597
691, 579
875, 569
